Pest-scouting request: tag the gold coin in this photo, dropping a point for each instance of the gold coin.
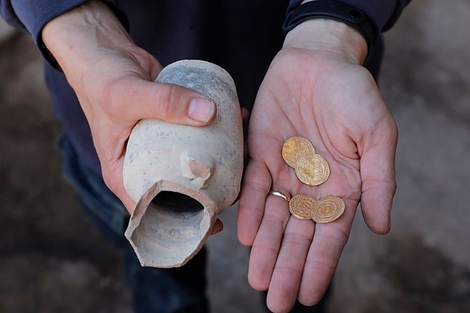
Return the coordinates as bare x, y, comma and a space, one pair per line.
312, 169
328, 209
301, 206
294, 148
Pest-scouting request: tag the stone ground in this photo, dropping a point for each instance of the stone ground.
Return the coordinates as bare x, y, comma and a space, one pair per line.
52, 260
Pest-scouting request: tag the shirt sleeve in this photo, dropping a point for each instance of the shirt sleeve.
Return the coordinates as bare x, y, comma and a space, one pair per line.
33, 15
384, 13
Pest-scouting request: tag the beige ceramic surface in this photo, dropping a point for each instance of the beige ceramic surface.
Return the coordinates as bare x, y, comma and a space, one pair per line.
182, 177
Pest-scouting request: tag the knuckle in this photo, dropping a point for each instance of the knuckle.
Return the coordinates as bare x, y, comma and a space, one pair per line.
168, 98
119, 97
108, 181
110, 97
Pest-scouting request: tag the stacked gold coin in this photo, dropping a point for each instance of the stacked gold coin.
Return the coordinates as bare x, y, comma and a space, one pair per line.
305, 207
311, 168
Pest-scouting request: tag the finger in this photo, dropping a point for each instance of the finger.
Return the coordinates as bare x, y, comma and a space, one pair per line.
245, 120
110, 147
113, 178
323, 257
287, 275
149, 100
217, 228
255, 187
267, 243
379, 184
245, 115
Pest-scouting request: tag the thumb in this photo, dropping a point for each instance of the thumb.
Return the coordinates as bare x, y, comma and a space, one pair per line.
171, 103
379, 183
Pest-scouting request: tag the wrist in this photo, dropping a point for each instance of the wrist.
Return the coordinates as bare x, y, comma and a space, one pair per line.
342, 28
72, 37
321, 34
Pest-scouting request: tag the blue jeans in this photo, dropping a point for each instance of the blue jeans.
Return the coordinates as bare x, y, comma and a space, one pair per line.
178, 290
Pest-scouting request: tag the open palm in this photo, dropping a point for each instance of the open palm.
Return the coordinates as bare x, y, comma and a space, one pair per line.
337, 106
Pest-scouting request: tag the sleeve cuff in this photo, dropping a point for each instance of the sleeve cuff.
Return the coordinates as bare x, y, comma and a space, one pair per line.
383, 13
35, 14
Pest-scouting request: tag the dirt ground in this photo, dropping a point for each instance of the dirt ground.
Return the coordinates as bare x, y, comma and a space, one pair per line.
52, 260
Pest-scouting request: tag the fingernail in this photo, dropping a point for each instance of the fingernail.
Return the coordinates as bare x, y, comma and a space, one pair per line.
201, 109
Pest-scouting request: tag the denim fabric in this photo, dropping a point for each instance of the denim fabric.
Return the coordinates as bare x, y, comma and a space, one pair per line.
179, 290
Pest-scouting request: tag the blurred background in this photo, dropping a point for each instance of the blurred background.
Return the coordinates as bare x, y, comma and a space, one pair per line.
52, 260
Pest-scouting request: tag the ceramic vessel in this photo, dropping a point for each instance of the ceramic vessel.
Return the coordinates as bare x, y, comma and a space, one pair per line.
182, 177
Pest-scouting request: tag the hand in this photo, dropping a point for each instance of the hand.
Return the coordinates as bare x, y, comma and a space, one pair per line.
315, 88
114, 82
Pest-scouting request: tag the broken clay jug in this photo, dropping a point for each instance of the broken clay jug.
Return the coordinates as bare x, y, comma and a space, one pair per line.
182, 177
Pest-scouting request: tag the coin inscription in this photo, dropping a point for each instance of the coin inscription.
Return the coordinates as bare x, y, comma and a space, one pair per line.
312, 169
301, 206
294, 148
328, 209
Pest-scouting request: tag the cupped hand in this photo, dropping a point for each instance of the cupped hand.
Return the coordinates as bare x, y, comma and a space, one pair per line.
114, 82
317, 91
